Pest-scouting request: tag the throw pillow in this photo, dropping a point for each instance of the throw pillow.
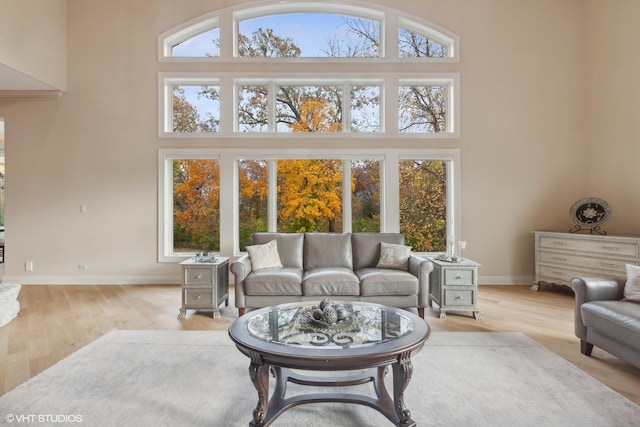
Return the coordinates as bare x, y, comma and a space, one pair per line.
632, 287
394, 256
264, 256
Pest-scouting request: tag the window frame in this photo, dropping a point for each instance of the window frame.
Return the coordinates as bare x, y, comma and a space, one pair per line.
165, 197
229, 82
229, 188
229, 144
226, 20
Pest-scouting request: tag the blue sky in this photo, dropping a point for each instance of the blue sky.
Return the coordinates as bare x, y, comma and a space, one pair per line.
310, 32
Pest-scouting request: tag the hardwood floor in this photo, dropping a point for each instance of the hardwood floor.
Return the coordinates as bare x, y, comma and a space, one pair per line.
55, 321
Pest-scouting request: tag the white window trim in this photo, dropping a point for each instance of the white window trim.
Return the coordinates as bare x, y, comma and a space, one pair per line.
165, 197
229, 186
228, 82
226, 20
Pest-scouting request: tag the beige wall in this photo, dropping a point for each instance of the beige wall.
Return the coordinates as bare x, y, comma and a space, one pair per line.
612, 88
33, 43
526, 137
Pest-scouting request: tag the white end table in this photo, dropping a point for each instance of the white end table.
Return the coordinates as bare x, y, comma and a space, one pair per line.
454, 286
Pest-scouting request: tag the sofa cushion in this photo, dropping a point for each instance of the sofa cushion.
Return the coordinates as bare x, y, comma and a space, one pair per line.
619, 320
289, 246
366, 247
327, 250
394, 256
330, 281
632, 286
264, 256
380, 281
274, 281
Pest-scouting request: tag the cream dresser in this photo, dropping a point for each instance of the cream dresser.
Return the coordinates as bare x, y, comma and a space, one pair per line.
562, 256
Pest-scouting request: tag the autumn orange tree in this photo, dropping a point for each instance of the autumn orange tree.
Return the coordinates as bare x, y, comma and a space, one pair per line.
309, 195
196, 205
252, 199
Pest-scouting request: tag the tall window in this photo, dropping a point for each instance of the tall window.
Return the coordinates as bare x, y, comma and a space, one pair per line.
309, 195
308, 117
423, 208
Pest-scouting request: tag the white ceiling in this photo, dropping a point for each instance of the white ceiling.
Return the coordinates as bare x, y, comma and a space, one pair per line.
11, 79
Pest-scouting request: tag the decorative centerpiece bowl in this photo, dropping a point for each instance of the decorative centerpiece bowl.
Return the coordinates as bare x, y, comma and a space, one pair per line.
328, 313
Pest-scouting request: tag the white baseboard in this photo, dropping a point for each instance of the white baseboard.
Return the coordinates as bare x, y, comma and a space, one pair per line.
505, 280
93, 280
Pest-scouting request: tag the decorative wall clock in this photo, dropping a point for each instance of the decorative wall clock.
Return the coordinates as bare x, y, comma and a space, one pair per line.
589, 214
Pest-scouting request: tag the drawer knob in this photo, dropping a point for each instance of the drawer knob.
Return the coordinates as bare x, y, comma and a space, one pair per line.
199, 296
458, 277
457, 297
611, 248
199, 276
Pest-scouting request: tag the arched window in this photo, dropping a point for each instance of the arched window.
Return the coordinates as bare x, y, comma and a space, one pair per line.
297, 104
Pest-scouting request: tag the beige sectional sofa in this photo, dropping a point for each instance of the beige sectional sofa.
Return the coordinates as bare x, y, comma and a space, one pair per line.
340, 266
605, 319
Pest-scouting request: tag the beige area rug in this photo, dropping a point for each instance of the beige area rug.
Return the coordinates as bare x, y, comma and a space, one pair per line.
198, 378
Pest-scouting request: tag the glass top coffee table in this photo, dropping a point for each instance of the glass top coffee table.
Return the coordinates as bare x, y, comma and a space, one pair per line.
369, 339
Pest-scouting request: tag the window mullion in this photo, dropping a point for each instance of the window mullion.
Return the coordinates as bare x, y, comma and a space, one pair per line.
227, 35
272, 195
346, 197
391, 105
271, 105
346, 107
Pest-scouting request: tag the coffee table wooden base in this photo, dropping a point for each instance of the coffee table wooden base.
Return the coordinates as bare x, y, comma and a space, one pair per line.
268, 409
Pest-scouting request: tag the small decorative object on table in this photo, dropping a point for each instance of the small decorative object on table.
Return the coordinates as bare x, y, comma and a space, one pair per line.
462, 244
589, 214
327, 313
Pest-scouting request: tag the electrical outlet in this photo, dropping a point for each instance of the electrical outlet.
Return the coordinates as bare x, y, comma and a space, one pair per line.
28, 266
82, 267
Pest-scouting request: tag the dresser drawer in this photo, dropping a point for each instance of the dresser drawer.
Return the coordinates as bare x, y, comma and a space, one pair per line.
198, 276
563, 276
198, 297
604, 264
458, 297
601, 247
458, 277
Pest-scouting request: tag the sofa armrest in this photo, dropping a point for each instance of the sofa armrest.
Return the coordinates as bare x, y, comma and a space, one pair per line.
240, 267
588, 289
421, 267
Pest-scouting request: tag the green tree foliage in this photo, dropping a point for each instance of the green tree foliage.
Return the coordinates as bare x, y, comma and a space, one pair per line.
365, 200
422, 204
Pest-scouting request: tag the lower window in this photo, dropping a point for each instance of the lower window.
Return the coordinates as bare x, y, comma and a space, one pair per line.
202, 208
